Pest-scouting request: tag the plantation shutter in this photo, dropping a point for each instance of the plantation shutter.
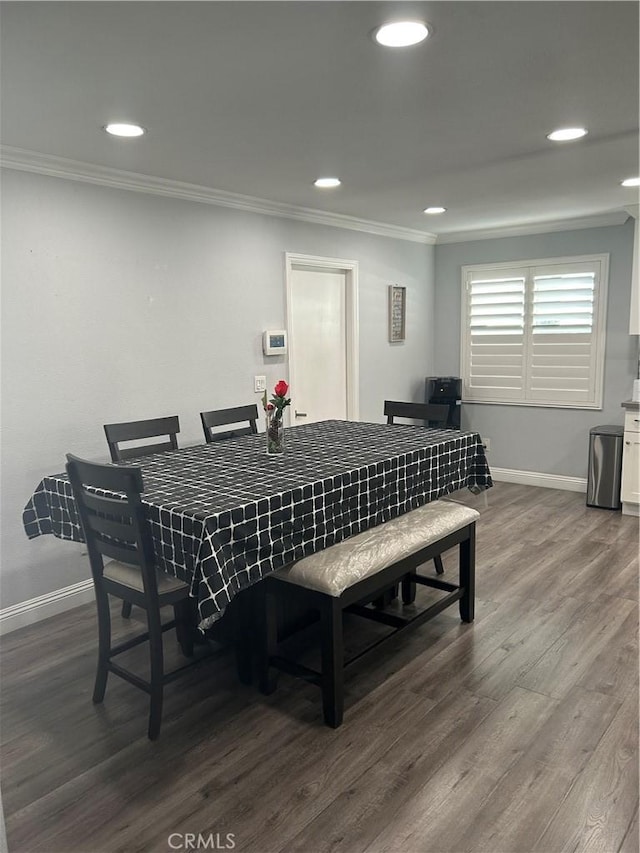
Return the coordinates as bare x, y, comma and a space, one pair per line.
534, 333
562, 344
496, 335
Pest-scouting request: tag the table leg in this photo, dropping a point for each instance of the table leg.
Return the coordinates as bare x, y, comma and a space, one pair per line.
244, 635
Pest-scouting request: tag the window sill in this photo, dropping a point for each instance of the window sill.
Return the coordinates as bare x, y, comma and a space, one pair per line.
582, 406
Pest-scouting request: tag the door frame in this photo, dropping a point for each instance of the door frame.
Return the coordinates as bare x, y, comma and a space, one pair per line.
350, 269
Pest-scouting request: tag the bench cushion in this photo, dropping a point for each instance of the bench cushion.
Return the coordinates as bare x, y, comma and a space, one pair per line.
340, 566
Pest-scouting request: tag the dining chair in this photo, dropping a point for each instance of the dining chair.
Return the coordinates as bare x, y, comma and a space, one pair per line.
118, 529
226, 417
136, 431
139, 430
432, 413
435, 414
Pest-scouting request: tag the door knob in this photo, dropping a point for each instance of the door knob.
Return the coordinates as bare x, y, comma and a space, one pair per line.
300, 414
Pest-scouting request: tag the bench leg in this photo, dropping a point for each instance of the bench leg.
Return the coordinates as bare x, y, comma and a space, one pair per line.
408, 590
409, 587
468, 575
332, 663
267, 623
387, 597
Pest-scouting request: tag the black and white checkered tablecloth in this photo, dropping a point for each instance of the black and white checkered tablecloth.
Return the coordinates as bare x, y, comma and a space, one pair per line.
225, 514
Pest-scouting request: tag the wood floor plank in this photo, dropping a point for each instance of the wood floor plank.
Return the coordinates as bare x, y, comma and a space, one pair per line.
500, 671
615, 670
361, 810
455, 664
626, 583
426, 821
566, 662
596, 814
631, 843
518, 808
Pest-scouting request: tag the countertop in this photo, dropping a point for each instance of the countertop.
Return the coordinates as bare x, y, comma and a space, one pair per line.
631, 405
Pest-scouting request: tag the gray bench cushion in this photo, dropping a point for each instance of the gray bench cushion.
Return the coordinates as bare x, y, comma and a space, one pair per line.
337, 568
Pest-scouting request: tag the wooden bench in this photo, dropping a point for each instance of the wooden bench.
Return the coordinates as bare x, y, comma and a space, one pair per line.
351, 573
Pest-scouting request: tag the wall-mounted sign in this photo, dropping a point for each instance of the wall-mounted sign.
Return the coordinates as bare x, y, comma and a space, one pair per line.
397, 312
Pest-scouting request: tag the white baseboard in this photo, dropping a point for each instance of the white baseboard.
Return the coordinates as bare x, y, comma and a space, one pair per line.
534, 478
36, 609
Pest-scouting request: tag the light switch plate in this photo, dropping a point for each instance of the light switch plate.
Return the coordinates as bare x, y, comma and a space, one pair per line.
259, 384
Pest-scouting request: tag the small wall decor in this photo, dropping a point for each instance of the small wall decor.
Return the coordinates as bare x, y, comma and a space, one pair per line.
397, 313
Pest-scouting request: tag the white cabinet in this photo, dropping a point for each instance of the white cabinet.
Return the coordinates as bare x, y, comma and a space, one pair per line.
630, 492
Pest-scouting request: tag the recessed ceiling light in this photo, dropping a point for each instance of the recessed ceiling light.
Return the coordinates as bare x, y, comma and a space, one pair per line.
432, 210
128, 130
631, 182
401, 33
566, 134
327, 183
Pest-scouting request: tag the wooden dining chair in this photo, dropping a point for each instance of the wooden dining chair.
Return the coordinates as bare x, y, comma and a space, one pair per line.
140, 430
226, 417
118, 529
434, 414
137, 431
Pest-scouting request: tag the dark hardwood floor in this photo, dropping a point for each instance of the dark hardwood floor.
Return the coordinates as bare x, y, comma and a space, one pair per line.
516, 734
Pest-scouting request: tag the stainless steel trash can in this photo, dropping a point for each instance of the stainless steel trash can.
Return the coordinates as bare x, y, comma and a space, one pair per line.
605, 466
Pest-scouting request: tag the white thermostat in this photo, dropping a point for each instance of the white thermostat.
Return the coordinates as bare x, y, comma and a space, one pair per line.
274, 342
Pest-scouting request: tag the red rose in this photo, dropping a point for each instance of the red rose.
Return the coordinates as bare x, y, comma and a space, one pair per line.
270, 407
281, 389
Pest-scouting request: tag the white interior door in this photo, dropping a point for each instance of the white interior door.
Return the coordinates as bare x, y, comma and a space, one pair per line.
321, 310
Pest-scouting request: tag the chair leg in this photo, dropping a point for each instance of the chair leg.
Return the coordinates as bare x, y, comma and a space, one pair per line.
104, 646
332, 663
126, 609
468, 575
267, 630
437, 560
157, 672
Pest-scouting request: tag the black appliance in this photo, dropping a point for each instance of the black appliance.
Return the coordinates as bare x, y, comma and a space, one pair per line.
445, 390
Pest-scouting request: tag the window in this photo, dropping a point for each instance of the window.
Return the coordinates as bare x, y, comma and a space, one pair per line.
533, 332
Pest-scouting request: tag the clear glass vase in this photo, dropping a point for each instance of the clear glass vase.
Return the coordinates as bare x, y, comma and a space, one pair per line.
275, 433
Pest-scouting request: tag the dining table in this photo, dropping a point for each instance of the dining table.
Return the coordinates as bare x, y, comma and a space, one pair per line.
225, 514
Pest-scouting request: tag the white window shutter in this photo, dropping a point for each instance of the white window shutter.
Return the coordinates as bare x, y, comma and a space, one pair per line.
533, 333
495, 322
562, 346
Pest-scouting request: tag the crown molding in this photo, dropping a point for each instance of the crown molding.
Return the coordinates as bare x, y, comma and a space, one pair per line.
23, 160
601, 220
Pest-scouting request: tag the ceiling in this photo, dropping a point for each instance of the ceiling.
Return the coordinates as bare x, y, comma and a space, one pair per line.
260, 98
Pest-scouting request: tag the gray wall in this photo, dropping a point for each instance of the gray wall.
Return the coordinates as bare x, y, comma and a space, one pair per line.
528, 438
119, 305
